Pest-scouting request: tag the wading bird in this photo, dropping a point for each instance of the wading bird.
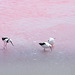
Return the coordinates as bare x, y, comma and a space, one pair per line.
46, 45
6, 40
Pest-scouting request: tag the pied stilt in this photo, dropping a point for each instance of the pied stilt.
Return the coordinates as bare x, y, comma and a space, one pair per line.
46, 45
6, 40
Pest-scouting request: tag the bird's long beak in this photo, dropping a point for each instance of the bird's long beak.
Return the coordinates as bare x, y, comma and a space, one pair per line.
12, 43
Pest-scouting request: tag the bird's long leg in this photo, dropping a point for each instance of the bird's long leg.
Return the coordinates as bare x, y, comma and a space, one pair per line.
51, 48
44, 49
5, 45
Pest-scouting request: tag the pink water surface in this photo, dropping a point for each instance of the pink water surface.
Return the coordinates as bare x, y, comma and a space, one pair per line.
28, 22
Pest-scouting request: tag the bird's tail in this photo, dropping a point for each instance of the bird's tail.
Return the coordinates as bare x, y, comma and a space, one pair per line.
41, 43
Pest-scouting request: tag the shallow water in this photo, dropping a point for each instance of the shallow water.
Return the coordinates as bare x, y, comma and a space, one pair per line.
29, 22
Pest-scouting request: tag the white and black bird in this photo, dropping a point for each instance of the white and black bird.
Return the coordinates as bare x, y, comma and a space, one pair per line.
46, 45
6, 40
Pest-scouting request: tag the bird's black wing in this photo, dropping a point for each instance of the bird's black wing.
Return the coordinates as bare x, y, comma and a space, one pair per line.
3, 38
42, 43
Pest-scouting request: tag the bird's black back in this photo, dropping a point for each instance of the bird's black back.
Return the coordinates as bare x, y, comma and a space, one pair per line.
3, 38
42, 43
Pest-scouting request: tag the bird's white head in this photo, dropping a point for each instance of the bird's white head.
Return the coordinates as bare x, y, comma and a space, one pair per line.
51, 40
